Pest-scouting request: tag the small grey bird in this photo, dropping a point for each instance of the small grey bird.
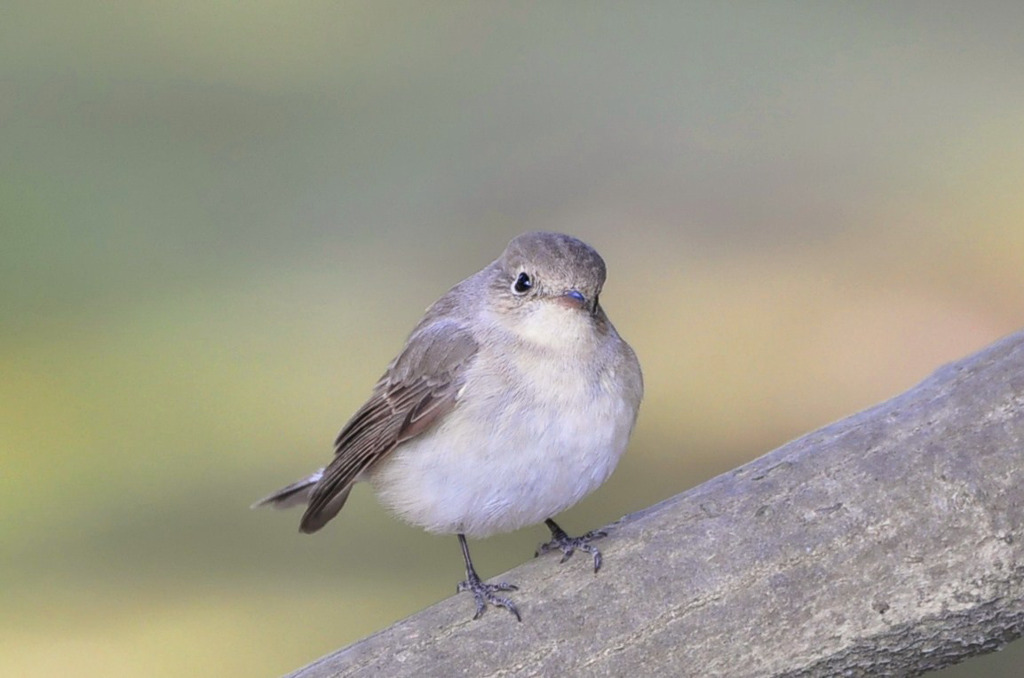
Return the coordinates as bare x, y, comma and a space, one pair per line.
513, 398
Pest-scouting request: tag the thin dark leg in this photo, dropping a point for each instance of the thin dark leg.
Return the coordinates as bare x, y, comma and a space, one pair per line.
484, 593
567, 545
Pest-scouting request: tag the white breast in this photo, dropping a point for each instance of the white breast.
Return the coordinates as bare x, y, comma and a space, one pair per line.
519, 447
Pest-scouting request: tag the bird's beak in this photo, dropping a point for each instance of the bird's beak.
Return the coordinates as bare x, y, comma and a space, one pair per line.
573, 299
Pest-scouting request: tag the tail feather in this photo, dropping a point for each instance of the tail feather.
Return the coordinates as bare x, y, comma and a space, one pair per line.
295, 494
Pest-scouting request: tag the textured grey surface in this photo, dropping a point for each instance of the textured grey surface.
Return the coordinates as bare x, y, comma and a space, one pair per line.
888, 543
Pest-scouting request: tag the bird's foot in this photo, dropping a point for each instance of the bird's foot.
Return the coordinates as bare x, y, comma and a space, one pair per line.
488, 593
560, 541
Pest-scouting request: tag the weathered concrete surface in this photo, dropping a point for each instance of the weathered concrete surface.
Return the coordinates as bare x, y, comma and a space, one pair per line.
888, 543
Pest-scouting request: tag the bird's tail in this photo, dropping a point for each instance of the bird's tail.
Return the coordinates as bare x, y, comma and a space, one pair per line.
293, 495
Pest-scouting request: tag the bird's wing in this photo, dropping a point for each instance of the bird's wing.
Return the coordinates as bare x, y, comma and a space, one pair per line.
419, 388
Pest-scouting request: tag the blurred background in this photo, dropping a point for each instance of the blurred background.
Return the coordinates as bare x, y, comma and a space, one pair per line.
219, 221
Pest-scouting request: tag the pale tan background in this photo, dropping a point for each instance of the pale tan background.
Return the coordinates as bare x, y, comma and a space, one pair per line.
220, 220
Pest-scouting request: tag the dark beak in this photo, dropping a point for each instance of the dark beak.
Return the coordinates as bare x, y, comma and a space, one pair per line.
573, 299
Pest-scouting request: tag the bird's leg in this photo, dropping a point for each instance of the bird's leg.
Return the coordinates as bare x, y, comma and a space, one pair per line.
568, 545
484, 593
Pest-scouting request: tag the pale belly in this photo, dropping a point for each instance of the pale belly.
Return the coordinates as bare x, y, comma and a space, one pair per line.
481, 473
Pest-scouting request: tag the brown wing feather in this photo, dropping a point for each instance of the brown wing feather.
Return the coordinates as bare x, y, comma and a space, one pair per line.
419, 388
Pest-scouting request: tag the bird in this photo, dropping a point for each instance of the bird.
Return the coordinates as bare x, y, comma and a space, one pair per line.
512, 399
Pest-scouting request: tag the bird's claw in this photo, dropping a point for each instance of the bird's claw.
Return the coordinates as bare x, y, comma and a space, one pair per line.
560, 541
487, 593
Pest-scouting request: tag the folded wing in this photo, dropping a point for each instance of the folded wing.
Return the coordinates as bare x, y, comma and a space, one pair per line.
419, 388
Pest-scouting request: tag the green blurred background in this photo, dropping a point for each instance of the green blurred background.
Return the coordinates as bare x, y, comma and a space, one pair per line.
219, 221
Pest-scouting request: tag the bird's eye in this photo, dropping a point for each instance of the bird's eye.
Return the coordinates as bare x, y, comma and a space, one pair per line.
522, 284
